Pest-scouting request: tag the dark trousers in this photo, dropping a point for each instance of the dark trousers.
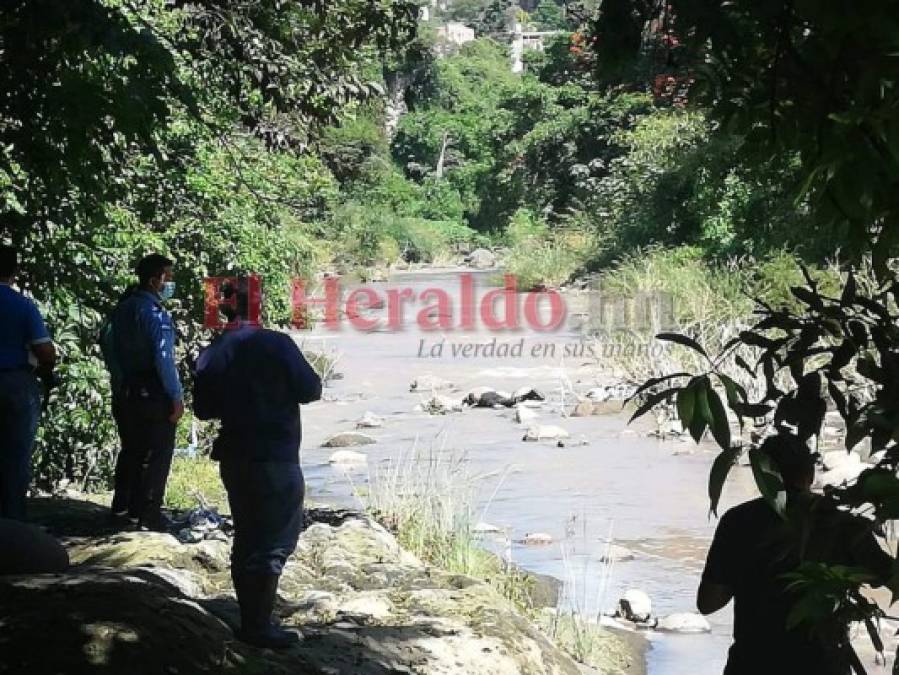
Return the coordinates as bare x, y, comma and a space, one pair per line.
20, 409
266, 501
142, 468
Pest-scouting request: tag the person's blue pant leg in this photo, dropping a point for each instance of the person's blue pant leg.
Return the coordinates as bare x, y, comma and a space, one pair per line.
266, 500
20, 409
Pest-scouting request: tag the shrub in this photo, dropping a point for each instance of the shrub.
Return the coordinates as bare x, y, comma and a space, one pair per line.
543, 257
193, 482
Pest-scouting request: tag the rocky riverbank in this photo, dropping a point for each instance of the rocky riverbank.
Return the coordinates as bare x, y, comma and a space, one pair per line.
141, 602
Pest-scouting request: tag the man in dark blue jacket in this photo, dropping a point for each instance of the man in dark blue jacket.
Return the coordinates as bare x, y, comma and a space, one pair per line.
253, 380
147, 395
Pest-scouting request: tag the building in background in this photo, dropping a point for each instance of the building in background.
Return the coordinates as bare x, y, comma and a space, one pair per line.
455, 33
527, 40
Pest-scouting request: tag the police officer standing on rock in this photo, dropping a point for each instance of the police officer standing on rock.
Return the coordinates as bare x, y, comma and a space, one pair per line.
253, 380
23, 335
149, 397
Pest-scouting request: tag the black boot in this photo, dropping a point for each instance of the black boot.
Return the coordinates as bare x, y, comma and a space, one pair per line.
256, 594
157, 522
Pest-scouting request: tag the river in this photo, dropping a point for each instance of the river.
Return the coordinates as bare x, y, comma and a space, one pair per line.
649, 495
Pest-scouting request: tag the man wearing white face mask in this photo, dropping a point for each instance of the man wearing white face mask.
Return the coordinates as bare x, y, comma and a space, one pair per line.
147, 395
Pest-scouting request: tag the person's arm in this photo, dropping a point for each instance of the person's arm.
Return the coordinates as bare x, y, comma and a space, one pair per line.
712, 596
160, 334
39, 342
45, 353
306, 383
716, 588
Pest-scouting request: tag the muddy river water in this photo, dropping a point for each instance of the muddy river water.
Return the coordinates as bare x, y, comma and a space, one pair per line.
644, 494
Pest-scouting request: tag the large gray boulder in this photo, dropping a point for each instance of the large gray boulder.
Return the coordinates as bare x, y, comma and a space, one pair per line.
27, 549
481, 259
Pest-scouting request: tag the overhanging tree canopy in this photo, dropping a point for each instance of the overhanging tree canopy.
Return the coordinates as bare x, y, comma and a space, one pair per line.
820, 79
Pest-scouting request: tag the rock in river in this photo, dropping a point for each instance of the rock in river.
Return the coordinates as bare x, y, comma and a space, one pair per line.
635, 606
843, 467
524, 415
441, 405
537, 539
541, 432
348, 457
481, 259
486, 528
369, 421
582, 409
348, 439
615, 553
430, 383
684, 622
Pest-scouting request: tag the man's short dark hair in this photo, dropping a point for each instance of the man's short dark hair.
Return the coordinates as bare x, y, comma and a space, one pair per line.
152, 266
9, 261
793, 458
240, 296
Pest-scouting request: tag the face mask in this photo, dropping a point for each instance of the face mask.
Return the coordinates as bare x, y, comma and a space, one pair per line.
167, 292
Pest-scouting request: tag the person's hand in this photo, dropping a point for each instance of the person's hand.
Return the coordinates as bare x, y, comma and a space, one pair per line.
177, 412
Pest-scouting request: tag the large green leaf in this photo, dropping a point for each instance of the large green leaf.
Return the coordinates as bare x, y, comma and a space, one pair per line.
686, 403
718, 475
684, 340
768, 480
652, 382
701, 413
652, 401
717, 419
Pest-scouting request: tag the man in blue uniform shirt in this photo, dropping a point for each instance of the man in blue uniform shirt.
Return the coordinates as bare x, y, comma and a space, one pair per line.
22, 333
148, 397
253, 380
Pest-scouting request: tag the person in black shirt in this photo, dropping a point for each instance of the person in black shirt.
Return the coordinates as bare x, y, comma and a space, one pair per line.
754, 547
253, 380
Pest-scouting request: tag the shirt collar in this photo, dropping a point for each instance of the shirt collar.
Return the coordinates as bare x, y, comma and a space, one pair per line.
147, 294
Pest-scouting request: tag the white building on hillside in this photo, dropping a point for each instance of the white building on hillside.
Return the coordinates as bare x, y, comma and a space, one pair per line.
455, 33
527, 40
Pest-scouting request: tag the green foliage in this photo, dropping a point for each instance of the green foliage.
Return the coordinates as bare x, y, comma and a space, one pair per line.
349, 148
193, 482
701, 293
549, 16
775, 72
497, 16
375, 235
540, 257
173, 128
525, 228
676, 184
441, 201
466, 11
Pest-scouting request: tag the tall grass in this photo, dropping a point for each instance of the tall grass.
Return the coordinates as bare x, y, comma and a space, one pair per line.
707, 302
712, 302
540, 256
426, 498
